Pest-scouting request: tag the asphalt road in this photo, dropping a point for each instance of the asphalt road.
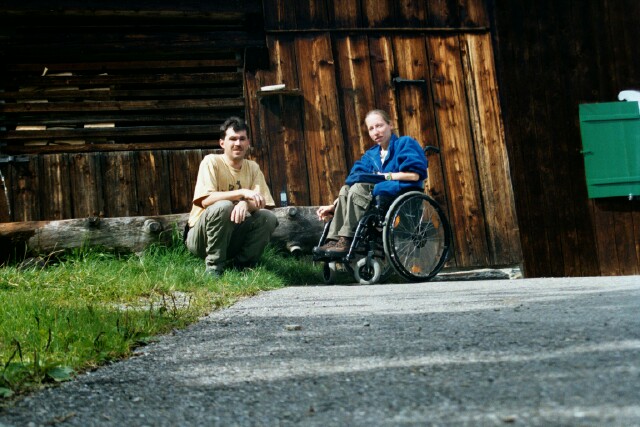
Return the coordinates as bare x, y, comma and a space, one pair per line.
548, 352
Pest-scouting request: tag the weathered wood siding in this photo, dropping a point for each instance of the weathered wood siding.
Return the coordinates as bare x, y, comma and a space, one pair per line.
342, 58
164, 77
107, 110
550, 59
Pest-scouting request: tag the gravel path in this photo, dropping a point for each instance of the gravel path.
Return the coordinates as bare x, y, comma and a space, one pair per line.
497, 352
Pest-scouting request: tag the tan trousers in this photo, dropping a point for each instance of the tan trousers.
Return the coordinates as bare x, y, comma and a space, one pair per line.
353, 201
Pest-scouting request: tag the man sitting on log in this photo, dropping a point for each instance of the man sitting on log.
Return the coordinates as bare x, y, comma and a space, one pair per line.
228, 223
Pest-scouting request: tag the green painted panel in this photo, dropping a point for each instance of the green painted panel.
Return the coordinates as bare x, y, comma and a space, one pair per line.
611, 148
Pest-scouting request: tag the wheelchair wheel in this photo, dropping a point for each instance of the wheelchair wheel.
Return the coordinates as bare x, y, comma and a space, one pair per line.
329, 272
367, 271
416, 236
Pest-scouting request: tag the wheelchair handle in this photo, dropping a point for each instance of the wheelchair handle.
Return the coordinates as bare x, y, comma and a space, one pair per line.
429, 149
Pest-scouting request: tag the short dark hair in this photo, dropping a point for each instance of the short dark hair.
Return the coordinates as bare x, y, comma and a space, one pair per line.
235, 123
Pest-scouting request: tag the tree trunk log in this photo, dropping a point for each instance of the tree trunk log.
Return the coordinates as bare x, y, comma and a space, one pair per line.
298, 231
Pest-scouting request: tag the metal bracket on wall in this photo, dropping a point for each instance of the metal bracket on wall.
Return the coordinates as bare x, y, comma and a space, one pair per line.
400, 80
14, 159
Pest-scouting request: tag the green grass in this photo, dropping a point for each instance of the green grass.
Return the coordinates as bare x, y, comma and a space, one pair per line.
89, 307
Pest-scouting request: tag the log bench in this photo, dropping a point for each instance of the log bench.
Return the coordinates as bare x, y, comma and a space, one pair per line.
298, 231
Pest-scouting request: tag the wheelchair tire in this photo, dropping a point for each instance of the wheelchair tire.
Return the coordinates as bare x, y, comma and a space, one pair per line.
416, 236
329, 272
367, 272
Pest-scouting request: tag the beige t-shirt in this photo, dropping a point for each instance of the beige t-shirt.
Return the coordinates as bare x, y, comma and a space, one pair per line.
215, 174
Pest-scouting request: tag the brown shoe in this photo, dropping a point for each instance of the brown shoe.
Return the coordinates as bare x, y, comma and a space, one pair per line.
330, 244
342, 246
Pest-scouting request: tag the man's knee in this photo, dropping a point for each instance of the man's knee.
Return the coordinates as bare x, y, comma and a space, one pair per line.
267, 220
219, 211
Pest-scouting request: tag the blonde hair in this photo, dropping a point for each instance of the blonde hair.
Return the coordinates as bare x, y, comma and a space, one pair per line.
381, 113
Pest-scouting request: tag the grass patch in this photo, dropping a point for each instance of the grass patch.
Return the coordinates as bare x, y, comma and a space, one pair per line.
90, 307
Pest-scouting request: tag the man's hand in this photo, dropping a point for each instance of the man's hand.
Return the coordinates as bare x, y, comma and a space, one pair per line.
240, 212
257, 198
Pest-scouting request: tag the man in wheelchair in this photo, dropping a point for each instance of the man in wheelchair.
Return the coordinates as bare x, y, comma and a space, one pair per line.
393, 166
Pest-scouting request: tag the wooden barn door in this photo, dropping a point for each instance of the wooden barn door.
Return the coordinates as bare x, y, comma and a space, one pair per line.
446, 96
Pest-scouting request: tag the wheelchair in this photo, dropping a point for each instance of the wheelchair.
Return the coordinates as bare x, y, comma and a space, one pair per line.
410, 235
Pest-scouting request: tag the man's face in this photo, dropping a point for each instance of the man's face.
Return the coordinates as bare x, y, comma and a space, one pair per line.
235, 144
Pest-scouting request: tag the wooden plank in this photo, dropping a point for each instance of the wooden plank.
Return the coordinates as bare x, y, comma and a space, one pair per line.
291, 130
378, 13
323, 133
118, 186
55, 189
490, 149
604, 230
279, 14
51, 81
567, 202
635, 218
620, 27
103, 66
156, 105
152, 181
284, 61
383, 70
281, 118
312, 14
68, 119
183, 169
292, 135
181, 189
116, 39
108, 132
411, 13
520, 88
23, 183
5, 206
94, 148
86, 185
355, 83
259, 147
627, 235
271, 123
43, 93
473, 13
443, 13
346, 14
452, 113
416, 115
132, 8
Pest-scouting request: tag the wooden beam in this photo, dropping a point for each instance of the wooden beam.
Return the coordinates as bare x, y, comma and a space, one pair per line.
97, 148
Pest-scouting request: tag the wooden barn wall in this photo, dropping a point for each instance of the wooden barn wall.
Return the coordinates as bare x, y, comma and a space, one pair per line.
553, 56
107, 110
338, 59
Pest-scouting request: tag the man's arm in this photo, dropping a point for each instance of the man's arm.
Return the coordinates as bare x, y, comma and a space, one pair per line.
254, 199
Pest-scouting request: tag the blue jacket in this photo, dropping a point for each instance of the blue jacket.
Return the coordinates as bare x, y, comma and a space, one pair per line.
404, 155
